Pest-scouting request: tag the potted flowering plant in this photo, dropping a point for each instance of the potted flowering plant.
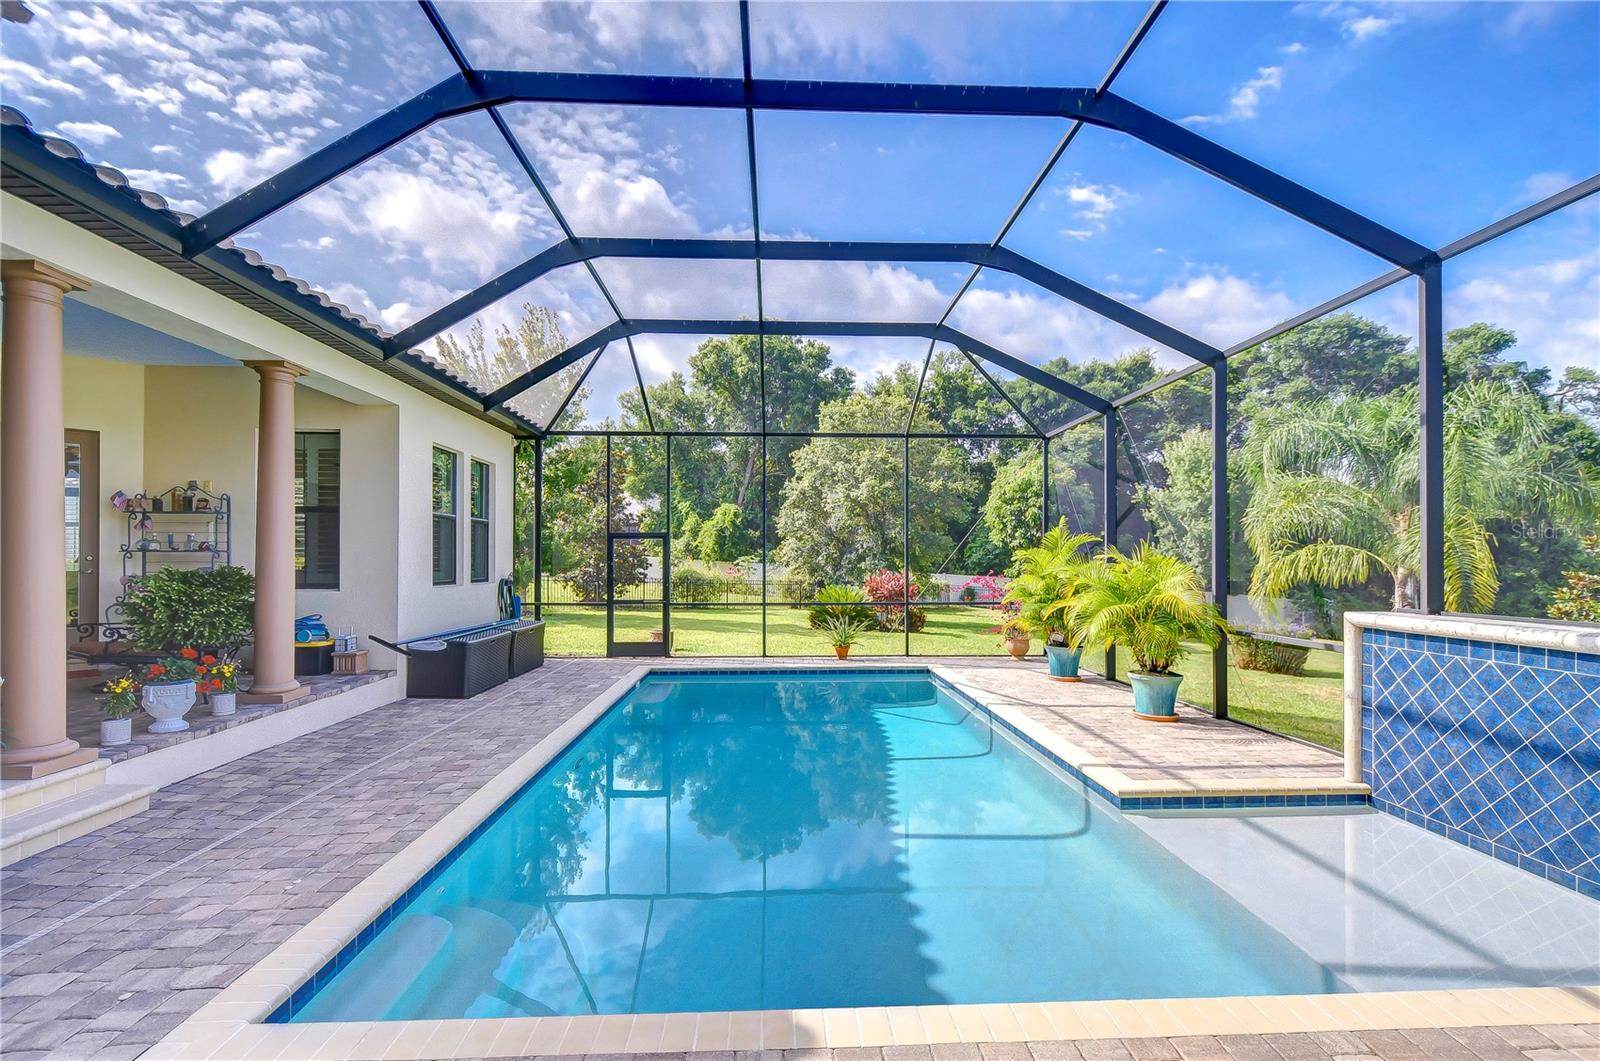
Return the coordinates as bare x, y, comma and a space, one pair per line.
120, 703
219, 678
1015, 637
168, 690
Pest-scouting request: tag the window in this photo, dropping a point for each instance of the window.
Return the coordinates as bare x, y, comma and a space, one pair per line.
444, 517
316, 510
478, 543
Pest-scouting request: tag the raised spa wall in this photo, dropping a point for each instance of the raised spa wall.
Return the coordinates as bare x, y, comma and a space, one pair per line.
1485, 731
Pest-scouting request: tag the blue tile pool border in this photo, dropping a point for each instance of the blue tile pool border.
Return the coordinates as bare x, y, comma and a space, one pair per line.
303, 994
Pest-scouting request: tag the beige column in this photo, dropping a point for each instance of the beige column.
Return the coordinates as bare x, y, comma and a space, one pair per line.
274, 634
33, 556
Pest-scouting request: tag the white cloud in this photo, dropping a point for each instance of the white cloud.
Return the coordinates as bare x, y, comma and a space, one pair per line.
1359, 23
598, 171
26, 80
160, 96
864, 291
1246, 99
1552, 306
599, 36
1366, 26
1220, 308
234, 171
1543, 185
96, 133
158, 180
1091, 205
263, 102
1293, 48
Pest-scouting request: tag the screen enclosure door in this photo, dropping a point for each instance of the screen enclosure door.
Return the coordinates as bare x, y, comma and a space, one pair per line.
638, 571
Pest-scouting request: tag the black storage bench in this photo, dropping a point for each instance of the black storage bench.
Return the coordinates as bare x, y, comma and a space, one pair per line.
463, 663
460, 666
527, 646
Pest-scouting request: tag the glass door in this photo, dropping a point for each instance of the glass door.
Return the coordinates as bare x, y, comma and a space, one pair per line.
638, 570
82, 531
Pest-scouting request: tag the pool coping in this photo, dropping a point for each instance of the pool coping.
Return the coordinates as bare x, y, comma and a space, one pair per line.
230, 1025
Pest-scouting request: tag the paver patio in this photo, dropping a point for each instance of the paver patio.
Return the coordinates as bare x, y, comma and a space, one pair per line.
113, 939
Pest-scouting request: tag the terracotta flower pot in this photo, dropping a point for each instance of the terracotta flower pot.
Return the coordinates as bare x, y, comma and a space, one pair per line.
1018, 646
842, 651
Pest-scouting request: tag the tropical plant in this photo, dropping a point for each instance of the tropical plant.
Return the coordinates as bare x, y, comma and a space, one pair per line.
1047, 578
844, 632
1579, 599
1337, 489
121, 698
887, 588
175, 606
839, 602
1148, 602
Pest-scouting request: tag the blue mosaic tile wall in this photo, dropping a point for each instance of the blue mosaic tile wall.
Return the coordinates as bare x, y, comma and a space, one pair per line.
1494, 746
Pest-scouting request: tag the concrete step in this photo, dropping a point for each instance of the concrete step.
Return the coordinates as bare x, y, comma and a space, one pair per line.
24, 795
31, 831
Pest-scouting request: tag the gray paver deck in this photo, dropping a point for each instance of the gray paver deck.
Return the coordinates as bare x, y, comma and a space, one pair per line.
110, 940
1096, 716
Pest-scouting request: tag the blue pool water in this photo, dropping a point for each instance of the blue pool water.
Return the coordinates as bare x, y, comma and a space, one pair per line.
725, 842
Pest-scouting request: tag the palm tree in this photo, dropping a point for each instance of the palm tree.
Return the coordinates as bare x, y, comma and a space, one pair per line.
1047, 576
1336, 489
1149, 602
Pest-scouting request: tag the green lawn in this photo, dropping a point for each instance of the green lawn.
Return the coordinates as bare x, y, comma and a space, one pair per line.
735, 630
1310, 707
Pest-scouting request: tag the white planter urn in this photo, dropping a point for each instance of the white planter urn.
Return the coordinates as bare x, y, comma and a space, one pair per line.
166, 702
115, 731
223, 704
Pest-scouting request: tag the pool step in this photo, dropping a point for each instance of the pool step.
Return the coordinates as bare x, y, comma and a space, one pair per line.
44, 812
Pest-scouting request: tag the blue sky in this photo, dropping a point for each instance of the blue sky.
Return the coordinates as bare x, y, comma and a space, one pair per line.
1433, 118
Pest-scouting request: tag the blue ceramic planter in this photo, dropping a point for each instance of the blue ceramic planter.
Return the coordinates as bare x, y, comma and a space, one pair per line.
1155, 696
1063, 662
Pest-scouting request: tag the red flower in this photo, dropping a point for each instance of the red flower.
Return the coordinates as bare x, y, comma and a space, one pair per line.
208, 659
188, 653
156, 670
216, 683
199, 670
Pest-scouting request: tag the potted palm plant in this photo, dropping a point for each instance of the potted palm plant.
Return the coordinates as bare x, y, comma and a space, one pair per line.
1047, 579
844, 633
1154, 605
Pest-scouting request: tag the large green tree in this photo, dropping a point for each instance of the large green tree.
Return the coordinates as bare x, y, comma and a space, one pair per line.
842, 512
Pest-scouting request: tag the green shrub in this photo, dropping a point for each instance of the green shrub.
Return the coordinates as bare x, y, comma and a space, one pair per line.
693, 586
723, 535
839, 602
1273, 657
174, 607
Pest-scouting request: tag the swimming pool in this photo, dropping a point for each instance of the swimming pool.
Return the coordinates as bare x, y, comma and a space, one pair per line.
794, 841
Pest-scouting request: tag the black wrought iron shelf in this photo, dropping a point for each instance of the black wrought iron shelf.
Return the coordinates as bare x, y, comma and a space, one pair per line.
212, 526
